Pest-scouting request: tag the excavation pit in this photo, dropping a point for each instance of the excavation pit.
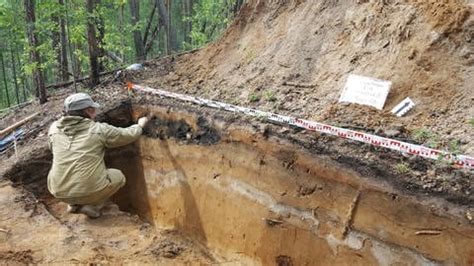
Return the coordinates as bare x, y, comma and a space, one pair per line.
257, 194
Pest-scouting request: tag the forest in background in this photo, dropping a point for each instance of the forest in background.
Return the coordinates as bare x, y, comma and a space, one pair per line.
48, 42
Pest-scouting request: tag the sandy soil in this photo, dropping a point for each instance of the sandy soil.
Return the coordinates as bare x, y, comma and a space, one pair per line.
289, 57
30, 233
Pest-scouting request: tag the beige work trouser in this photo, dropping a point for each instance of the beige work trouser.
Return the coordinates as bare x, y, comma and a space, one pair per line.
117, 180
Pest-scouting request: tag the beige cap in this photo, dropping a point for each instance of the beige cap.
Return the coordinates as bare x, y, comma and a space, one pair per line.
79, 101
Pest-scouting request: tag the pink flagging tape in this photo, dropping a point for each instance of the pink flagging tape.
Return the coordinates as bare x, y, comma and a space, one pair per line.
462, 161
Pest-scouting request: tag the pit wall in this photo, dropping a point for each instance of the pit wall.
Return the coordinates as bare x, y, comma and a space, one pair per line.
259, 200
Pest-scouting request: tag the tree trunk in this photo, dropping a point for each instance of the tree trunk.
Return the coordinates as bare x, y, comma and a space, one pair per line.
77, 60
168, 29
137, 35
34, 55
148, 26
93, 46
63, 43
188, 24
15, 81
56, 36
71, 54
170, 32
22, 75
171, 29
100, 38
183, 15
122, 41
5, 78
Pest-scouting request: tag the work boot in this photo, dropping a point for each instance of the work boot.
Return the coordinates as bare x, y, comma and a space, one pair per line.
73, 208
91, 211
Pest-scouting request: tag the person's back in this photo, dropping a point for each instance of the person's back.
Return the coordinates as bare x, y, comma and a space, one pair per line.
78, 175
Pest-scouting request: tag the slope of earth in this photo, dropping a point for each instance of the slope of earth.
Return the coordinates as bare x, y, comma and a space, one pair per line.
293, 57
289, 57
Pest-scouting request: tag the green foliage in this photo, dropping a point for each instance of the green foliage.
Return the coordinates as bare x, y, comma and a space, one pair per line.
29, 68
12, 44
195, 26
402, 168
270, 96
425, 136
254, 97
210, 18
471, 122
453, 146
421, 134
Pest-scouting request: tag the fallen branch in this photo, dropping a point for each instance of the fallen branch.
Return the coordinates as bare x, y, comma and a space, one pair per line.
298, 85
67, 83
113, 56
17, 106
17, 124
428, 232
150, 19
149, 44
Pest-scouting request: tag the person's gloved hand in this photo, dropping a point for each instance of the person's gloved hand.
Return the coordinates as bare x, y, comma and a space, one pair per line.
142, 121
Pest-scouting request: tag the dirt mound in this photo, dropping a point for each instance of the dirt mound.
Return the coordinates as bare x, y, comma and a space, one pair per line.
294, 57
24, 256
289, 57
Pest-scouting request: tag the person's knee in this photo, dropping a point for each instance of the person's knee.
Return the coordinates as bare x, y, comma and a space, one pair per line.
117, 178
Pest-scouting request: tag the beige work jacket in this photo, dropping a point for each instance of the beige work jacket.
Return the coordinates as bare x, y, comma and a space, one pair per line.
78, 145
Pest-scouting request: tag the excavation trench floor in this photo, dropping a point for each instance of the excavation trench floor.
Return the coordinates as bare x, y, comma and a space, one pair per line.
209, 187
39, 231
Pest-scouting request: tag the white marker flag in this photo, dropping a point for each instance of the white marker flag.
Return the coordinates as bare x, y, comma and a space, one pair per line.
365, 90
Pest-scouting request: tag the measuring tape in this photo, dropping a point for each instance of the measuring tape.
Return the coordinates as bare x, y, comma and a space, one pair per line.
461, 161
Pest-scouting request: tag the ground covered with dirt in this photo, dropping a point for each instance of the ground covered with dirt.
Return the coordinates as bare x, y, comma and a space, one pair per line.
31, 234
288, 57
293, 57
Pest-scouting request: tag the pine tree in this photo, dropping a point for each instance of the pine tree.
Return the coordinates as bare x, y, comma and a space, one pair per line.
34, 55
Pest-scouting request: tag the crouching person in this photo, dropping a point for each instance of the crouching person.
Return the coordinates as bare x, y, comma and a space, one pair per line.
78, 175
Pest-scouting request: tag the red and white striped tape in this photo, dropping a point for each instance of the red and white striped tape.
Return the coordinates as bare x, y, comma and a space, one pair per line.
462, 161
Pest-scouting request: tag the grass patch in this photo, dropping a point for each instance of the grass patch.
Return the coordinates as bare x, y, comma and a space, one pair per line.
250, 55
254, 97
402, 168
425, 136
453, 146
270, 96
421, 134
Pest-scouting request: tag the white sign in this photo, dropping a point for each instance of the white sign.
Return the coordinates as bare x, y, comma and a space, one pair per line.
365, 90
